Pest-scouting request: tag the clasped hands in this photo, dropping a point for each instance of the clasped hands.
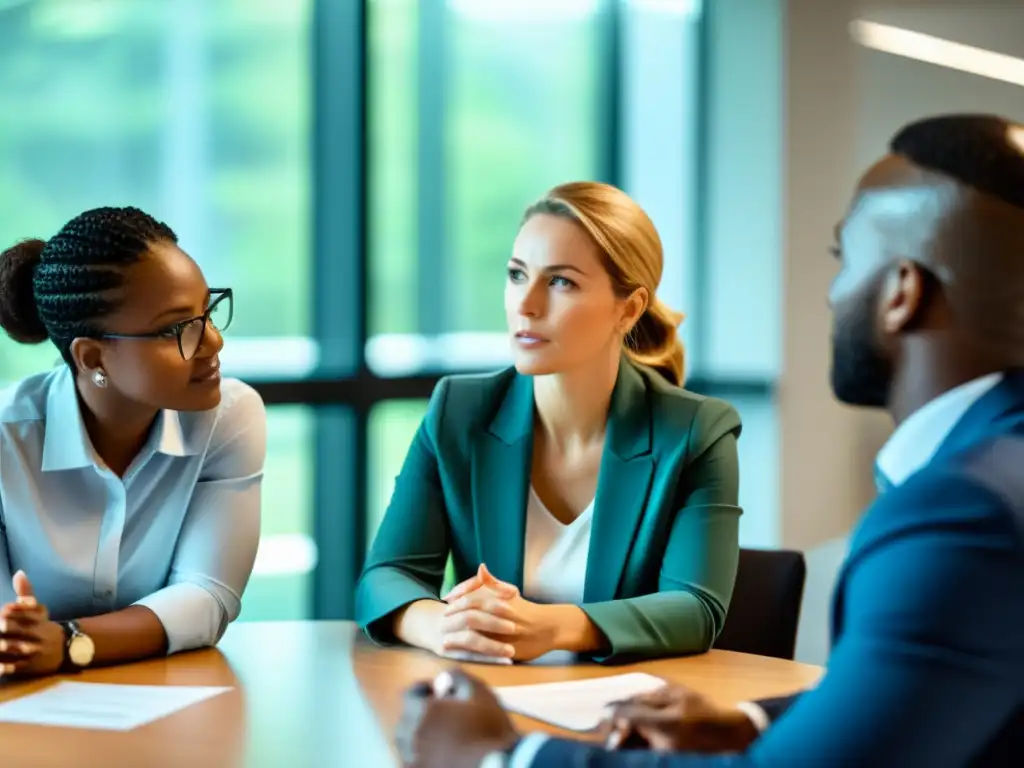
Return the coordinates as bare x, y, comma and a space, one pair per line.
30, 644
489, 617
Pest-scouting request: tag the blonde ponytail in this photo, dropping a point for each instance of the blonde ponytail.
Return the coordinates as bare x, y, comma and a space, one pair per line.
654, 341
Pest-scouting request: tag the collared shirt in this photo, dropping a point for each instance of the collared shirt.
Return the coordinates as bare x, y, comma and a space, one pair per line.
918, 438
177, 534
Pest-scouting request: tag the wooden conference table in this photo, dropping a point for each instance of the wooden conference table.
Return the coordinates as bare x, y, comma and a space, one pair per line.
319, 694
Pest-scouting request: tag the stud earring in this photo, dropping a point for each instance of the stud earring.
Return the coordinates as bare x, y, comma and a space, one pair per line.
99, 378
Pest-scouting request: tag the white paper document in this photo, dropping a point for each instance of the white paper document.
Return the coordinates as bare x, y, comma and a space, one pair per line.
577, 705
102, 706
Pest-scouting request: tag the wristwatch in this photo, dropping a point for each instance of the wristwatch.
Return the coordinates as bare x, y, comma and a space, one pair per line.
79, 648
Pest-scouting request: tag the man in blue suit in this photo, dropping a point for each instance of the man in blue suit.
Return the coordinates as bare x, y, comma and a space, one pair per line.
927, 664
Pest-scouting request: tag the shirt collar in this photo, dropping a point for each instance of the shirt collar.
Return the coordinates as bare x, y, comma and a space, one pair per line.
917, 439
66, 443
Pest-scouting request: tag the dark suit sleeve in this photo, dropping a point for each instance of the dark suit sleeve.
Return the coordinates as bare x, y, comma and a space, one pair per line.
698, 569
410, 551
928, 667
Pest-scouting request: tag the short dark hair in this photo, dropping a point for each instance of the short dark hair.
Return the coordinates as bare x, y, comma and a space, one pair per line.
57, 289
976, 150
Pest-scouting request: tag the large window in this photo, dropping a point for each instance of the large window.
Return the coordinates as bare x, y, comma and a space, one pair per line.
196, 112
356, 171
475, 110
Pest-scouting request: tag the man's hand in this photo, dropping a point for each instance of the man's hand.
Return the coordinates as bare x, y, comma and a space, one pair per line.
30, 644
674, 719
454, 726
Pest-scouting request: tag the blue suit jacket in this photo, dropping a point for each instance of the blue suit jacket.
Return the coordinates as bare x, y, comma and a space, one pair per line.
927, 663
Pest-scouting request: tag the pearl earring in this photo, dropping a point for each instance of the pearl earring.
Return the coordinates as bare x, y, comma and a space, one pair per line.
99, 378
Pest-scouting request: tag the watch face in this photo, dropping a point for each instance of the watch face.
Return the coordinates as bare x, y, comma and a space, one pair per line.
81, 650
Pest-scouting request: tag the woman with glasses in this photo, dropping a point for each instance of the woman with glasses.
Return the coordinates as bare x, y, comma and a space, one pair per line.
129, 476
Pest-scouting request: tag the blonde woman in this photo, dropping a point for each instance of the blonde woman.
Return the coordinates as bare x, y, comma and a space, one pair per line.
588, 502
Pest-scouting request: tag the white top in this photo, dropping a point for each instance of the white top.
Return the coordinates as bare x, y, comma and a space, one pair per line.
555, 555
177, 534
555, 561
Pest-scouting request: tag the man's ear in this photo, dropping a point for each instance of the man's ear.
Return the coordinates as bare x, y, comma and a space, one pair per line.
87, 354
902, 296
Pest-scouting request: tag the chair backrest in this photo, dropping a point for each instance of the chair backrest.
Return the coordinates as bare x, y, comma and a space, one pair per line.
765, 609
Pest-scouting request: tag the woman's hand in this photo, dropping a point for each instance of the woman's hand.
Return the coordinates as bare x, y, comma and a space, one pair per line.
30, 644
474, 631
497, 616
482, 578
523, 628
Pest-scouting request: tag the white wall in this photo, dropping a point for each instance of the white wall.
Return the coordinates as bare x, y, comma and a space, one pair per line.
843, 103
827, 450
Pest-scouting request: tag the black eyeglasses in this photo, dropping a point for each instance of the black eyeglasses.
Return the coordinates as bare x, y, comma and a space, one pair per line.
190, 333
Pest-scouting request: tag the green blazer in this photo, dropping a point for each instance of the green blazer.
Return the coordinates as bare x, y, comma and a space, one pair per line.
664, 535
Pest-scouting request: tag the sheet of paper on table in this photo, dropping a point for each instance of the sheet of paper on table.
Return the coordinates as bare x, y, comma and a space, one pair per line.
576, 705
102, 706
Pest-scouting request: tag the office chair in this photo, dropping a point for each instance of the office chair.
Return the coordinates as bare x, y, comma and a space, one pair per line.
765, 609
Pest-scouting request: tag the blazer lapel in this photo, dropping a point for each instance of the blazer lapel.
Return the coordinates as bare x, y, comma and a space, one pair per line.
501, 481
623, 484
1004, 399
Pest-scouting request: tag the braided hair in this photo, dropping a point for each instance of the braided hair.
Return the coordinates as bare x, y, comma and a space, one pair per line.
59, 288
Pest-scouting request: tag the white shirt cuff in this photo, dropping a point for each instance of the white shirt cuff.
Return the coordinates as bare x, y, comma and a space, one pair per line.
192, 617
757, 715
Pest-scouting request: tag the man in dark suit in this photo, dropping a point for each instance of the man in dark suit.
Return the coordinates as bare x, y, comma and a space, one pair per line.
927, 664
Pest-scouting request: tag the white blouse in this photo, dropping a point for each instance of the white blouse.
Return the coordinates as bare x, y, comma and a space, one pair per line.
555, 561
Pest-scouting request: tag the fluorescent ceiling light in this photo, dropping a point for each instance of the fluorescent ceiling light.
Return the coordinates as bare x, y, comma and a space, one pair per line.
936, 50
